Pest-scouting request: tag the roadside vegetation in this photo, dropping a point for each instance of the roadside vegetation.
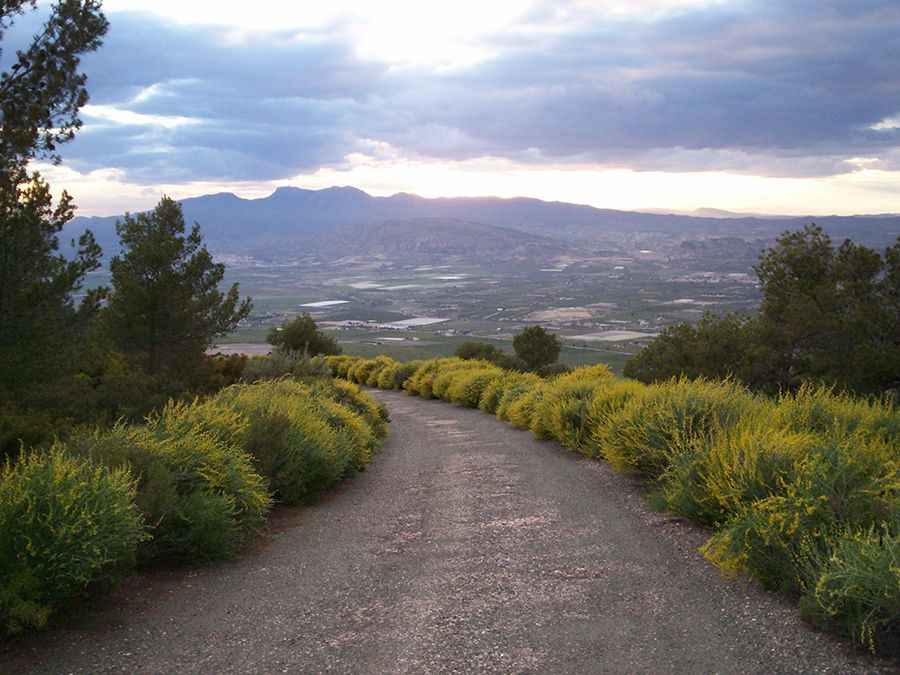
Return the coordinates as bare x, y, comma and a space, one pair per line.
801, 490
193, 483
829, 315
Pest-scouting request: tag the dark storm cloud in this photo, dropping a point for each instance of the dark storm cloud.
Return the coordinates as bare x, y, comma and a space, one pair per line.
756, 88
769, 88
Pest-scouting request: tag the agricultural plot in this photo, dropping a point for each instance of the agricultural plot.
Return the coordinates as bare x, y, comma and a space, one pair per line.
605, 305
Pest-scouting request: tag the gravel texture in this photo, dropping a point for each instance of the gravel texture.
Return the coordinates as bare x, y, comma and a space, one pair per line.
466, 547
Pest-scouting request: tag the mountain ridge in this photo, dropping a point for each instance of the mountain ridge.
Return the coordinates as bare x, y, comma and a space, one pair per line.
292, 216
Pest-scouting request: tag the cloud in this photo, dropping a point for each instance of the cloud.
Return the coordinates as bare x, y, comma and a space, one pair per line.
763, 88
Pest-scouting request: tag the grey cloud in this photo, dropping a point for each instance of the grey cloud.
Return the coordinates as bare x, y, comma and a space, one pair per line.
770, 88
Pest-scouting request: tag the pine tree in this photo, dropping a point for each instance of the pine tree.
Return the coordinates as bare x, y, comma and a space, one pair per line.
166, 307
40, 95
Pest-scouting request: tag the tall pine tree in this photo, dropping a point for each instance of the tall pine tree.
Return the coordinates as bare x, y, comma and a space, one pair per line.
166, 307
40, 96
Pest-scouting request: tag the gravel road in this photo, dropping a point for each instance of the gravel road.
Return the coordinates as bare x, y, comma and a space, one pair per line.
467, 547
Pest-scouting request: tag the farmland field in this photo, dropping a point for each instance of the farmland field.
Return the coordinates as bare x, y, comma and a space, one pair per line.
604, 305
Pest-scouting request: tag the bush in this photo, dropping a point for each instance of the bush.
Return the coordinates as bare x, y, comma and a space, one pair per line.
833, 484
493, 392
27, 428
467, 388
65, 525
422, 380
404, 372
381, 362
356, 438
190, 478
664, 420
352, 397
197, 489
552, 370
858, 588
124, 448
303, 442
450, 372
604, 404
536, 347
521, 411
517, 386
741, 466
340, 364
387, 376
361, 370
275, 365
822, 410
282, 363
562, 412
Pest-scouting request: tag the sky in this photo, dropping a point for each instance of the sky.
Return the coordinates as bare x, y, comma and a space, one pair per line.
779, 107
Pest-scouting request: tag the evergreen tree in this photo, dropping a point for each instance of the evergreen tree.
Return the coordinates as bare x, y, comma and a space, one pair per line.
166, 307
42, 92
39, 321
40, 95
536, 347
303, 336
829, 315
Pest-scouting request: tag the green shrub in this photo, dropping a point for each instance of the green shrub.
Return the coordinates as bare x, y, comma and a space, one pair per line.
604, 404
832, 485
268, 367
352, 397
360, 371
340, 364
493, 392
858, 588
521, 412
124, 448
552, 370
387, 376
665, 420
467, 388
517, 386
404, 372
191, 473
422, 380
450, 372
197, 461
356, 437
562, 411
209, 415
65, 525
307, 452
712, 481
822, 410
282, 363
381, 362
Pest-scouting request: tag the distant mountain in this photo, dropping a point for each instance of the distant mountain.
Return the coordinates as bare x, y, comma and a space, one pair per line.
706, 212
427, 238
293, 219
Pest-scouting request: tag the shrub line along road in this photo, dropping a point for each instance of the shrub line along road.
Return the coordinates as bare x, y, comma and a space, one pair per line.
467, 546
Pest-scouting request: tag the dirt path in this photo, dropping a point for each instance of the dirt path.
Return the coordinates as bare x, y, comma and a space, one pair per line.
468, 546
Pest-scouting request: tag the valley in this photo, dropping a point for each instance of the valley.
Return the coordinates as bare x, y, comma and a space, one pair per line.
604, 304
414, 277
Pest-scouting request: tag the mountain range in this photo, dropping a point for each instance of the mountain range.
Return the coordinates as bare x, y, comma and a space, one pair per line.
348, 220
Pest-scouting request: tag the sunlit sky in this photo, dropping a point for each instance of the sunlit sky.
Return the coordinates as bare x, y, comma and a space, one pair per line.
767, 107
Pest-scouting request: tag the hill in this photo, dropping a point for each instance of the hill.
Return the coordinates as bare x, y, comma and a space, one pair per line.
293, 217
